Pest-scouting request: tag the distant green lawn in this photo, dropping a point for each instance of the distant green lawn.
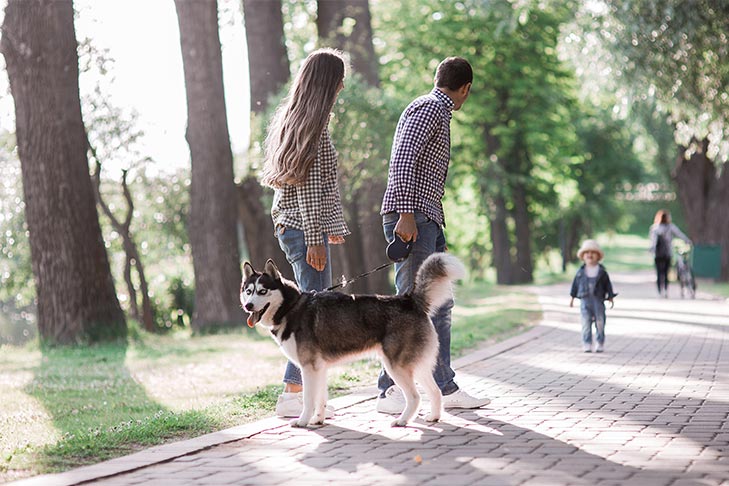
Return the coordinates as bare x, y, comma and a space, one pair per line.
67, 407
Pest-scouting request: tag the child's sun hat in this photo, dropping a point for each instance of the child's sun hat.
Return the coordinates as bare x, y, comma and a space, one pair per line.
590, 245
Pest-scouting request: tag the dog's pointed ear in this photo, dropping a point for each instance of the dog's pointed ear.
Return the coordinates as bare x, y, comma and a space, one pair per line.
248, 270
272, 269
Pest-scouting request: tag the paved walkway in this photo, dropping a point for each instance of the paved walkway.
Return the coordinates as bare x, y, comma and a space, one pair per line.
652, 410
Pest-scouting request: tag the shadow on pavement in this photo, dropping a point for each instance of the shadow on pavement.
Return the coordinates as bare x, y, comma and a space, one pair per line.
467, 447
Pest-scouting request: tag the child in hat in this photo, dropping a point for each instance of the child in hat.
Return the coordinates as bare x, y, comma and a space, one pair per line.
592, 286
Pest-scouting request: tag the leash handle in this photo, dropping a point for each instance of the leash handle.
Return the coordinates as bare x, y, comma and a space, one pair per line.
344, 283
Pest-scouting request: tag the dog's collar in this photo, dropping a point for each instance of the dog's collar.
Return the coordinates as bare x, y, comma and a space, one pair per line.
283, 310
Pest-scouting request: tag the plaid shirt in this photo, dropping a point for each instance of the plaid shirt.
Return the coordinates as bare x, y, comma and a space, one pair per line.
419, 160
313, 207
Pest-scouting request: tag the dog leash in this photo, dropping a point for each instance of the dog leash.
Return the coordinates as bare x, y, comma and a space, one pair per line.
345, 282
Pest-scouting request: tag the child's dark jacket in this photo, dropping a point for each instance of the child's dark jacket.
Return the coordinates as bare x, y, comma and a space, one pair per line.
603, 287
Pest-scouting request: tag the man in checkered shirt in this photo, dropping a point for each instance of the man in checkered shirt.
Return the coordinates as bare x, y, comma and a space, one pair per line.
412, 210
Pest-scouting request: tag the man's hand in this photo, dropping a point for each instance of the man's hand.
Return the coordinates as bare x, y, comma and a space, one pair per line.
316, 257
612, 304
572, 301
406, 228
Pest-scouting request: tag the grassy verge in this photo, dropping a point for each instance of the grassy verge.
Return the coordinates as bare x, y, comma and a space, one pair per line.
67, 407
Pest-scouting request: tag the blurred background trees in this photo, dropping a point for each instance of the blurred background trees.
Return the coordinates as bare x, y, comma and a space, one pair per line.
583, 118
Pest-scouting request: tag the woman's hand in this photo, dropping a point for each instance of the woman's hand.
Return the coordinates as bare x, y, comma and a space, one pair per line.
336, 239
316, 257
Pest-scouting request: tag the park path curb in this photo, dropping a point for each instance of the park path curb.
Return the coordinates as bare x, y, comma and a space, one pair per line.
168, 452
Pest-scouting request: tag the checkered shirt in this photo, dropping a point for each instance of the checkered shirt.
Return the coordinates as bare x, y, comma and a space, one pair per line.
315, 206
419, 160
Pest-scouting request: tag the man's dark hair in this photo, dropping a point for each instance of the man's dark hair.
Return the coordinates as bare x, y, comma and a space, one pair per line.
453, 72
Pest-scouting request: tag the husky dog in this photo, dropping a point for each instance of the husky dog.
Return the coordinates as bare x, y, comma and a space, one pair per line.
316, 330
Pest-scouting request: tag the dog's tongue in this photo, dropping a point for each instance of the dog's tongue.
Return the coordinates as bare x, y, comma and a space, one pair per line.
251, 320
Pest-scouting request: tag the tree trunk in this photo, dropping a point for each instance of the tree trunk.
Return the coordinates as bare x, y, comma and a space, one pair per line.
331, 15
268, 65
75, 291
268, 62
348, 259
499, 232
373, 237
704, 192
258, 228
213, 204
131, 255
520, 170
364, 249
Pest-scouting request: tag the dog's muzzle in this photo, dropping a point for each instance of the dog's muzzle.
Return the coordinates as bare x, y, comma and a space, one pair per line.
254, 316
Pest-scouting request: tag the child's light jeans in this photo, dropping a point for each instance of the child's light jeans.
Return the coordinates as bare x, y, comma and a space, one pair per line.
592, 310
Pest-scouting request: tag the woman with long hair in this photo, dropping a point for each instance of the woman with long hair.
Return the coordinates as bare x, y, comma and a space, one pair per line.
301, 165
661, 235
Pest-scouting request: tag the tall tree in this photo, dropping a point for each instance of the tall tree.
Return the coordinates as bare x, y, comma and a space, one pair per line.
346, 25
75, 290
513, 134
677, 51
268, 61
213, 205
268, 65
132, 257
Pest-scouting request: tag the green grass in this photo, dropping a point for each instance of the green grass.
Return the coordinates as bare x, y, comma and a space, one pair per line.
71, 406
712, 287
488, 313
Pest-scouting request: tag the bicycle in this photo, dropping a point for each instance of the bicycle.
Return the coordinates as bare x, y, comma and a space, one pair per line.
685, 274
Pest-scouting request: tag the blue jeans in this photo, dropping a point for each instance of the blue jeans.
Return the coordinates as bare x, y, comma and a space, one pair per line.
430, 240
592, 310
307, 278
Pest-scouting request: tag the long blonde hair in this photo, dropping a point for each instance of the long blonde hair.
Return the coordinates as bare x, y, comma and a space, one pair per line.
296, 128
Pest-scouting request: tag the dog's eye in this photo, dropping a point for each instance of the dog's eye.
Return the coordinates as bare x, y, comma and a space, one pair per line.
248, 291
263, 292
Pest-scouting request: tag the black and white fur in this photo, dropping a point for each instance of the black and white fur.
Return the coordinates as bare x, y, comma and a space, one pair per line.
316, 330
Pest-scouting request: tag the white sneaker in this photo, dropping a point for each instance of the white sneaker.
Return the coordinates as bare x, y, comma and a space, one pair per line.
461, 399
292, 404
394, 401
600, 348
587, 347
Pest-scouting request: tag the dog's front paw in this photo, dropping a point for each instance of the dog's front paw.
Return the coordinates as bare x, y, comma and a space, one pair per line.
432, 418
298, 423
400, 423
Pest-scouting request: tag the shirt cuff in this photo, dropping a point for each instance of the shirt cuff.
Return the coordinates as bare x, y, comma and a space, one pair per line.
313, 238
404, 208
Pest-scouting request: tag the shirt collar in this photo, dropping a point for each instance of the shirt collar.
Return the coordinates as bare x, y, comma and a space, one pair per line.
444, 98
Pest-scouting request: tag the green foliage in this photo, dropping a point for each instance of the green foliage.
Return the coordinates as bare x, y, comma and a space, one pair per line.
677, 50
606, 162
16, 277
522, 127
362, 129
160, 231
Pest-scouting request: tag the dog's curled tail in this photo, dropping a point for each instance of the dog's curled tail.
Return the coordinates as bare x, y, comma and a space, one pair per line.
433, 287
